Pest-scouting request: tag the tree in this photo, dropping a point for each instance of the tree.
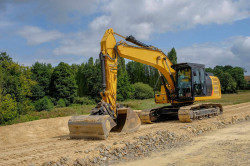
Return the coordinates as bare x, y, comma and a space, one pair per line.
1, 82
139, 72
44, 104
238, 74
60, 103
143, 91
172, 56
17, 82
8, 109
89, 79
63, 84
231, 78
124, 88
80, 80
228, 84
5, 57
41, 73
136, 72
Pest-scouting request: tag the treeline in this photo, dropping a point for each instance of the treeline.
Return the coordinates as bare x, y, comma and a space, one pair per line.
231, 78
43, 87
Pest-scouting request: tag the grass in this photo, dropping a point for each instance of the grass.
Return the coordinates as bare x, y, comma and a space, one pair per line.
241, 96
76, 109
141, 104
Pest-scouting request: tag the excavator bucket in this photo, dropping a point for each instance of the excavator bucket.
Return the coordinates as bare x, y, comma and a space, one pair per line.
90, 126
127, 121
99, 126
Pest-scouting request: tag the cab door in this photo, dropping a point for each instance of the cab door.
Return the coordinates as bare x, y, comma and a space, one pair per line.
198, 77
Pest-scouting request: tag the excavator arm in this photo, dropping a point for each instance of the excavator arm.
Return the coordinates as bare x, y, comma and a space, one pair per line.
108, 114
139, 52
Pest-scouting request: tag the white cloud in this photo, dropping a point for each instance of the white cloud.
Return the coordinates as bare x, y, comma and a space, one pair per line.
143, 18
5, 24
35, 35
81, 43
65, 10
234, 51
100, 22
56, 11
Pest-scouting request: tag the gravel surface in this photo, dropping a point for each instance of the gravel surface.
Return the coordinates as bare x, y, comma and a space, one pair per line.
229, 146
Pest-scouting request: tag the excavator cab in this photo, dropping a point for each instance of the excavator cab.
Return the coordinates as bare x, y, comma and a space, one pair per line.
190, 81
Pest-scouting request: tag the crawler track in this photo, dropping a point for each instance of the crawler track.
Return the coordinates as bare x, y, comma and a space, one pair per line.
199, 111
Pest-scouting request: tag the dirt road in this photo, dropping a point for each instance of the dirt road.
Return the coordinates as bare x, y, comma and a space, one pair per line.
47, 140
227, 146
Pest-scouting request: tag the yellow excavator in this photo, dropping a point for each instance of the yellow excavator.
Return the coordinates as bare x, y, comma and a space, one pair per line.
181, 85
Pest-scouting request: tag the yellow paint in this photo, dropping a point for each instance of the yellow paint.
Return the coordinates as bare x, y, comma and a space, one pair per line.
150, 56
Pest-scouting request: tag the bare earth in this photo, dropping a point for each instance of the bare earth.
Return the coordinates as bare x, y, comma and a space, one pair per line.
227, 146
40, 141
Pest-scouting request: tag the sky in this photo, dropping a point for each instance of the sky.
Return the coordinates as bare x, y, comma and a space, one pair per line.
214, 32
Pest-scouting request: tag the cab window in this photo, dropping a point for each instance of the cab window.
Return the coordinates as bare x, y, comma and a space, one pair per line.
184, 83
199, 81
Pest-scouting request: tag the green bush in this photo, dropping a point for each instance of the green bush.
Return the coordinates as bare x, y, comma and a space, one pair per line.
44, 104
124, 89
8, 109
143, 91
84, 101
61, 103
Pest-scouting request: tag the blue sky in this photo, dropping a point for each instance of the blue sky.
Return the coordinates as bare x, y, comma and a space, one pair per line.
209, 32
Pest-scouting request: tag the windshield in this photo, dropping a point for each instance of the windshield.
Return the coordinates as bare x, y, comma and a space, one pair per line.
184, 83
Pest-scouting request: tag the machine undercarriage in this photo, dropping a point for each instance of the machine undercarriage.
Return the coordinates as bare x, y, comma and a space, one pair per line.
184, 113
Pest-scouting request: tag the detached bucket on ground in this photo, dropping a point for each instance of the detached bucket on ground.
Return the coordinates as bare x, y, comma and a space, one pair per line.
99, 126
90, 126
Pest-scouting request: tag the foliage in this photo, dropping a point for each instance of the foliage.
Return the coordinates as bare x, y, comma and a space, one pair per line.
228, 84
84, 101
139, 72
41, 73
8, 109
231, 78
63, 84
5, 57
172, 56
61, 103
124, 89
16, 81
89, 79
44, 104
143, 91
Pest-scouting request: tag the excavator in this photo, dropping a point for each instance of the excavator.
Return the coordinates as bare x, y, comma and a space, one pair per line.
182, 85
